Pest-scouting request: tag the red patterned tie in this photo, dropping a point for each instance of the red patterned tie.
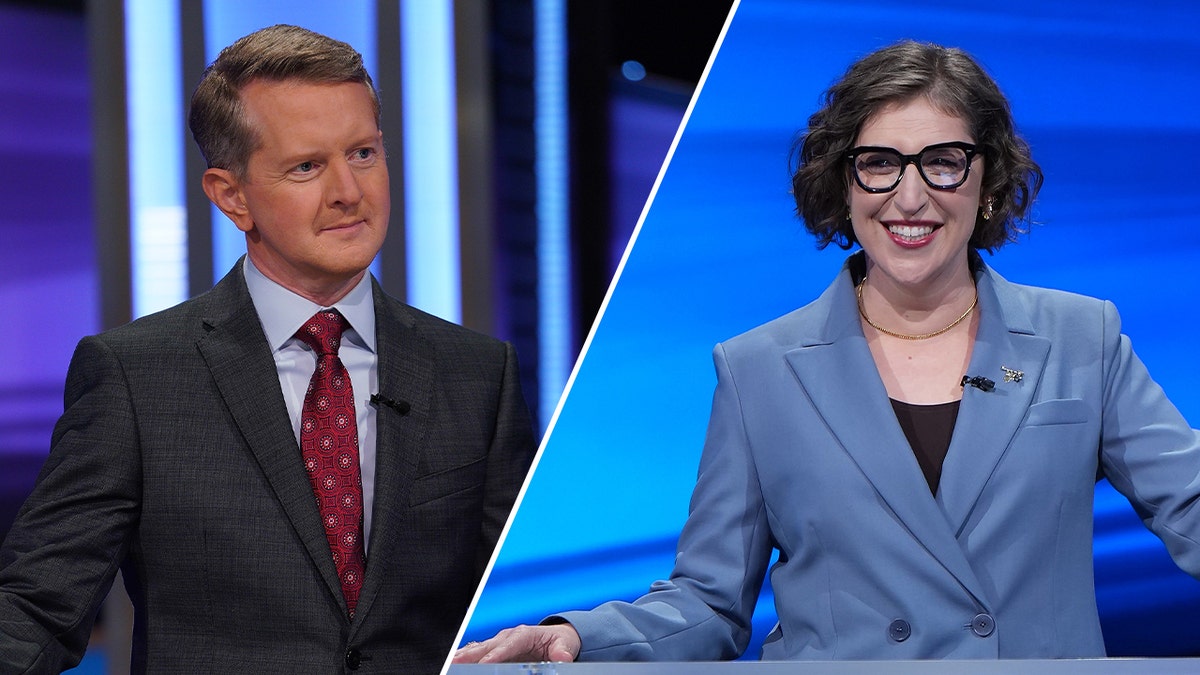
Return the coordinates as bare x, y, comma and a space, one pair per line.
329, 445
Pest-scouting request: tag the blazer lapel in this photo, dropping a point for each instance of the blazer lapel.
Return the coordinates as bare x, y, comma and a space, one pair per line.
835, 367
406, 390
243, 368
987, 421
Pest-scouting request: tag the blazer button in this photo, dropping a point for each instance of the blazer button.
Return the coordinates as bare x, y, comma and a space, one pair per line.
899, 630
983, 625
353, 659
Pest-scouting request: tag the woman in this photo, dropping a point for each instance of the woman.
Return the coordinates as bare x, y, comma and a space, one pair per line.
921, 443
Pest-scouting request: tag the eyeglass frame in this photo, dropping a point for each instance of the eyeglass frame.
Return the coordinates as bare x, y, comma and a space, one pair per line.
969, 149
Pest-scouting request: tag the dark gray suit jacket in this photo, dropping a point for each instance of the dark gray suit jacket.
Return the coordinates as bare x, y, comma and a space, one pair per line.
175, 460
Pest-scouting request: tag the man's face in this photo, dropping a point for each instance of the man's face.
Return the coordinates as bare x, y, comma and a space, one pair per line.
315, 193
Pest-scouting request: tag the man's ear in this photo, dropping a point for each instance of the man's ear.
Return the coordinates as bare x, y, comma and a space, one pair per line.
225, 190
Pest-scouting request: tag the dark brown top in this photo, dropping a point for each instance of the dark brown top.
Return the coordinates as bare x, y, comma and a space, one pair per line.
928, 429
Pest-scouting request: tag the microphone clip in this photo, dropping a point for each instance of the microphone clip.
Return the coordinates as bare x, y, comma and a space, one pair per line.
979, 382
401, 407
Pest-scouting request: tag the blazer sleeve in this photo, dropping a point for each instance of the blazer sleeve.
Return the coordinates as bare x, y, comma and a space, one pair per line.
74, 528
1148, 451
509, 457
703, 612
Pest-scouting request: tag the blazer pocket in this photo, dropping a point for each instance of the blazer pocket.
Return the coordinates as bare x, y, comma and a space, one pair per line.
445, 483
1058, 411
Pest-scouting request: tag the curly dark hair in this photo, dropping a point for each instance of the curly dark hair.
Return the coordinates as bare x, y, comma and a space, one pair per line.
954, 83
276, 53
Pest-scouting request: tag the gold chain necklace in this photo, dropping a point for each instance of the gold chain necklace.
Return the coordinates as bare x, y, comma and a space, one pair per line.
903, 336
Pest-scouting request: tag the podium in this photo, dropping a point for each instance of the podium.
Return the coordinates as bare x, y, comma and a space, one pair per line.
1002, 667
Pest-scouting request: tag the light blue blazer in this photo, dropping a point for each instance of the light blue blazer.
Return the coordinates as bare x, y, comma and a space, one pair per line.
804, 455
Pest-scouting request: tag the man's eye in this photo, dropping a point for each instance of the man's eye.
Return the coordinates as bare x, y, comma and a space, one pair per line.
305, 167
364, 153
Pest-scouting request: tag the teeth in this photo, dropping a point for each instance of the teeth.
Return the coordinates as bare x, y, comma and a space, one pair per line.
910, 231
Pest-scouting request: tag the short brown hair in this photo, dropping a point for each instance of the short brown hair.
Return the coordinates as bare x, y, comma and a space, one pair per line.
277, 53
954, 83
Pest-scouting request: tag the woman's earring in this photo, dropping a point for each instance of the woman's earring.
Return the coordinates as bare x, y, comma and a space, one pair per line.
987, 207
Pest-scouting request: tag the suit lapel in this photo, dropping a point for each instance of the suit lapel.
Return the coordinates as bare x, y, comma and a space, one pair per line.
987, 421
243, 368
406, 382
835, 367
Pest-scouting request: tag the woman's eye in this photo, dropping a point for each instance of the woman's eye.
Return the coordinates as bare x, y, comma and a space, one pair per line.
878, 163
948, 160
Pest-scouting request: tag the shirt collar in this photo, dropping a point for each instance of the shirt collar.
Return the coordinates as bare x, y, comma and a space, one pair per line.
283, 312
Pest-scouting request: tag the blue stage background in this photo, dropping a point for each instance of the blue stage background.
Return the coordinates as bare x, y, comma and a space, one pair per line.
1107, 94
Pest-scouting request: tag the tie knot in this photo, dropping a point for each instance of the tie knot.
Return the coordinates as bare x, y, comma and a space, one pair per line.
323, 332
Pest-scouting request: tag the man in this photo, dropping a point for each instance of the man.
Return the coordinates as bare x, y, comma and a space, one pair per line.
279, 499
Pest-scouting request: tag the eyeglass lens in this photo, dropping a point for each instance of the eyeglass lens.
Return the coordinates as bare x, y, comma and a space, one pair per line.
881, 169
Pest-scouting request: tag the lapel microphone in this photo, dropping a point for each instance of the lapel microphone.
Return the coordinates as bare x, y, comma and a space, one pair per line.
979, 382
401, 407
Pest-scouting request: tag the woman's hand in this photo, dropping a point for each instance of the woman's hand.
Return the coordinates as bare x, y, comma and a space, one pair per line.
556, 642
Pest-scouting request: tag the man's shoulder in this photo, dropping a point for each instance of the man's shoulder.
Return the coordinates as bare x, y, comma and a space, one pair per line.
188, 319
391, 312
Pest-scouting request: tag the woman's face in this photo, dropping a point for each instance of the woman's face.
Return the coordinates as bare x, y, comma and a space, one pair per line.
915, 236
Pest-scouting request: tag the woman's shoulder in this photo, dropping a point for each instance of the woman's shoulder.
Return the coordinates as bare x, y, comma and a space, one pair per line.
1043, 301
1052, 313
806, 326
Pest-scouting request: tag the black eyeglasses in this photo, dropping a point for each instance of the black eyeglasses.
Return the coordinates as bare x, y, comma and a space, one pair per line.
944, 166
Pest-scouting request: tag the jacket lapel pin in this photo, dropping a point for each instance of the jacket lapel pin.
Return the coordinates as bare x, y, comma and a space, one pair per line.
1011, 374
